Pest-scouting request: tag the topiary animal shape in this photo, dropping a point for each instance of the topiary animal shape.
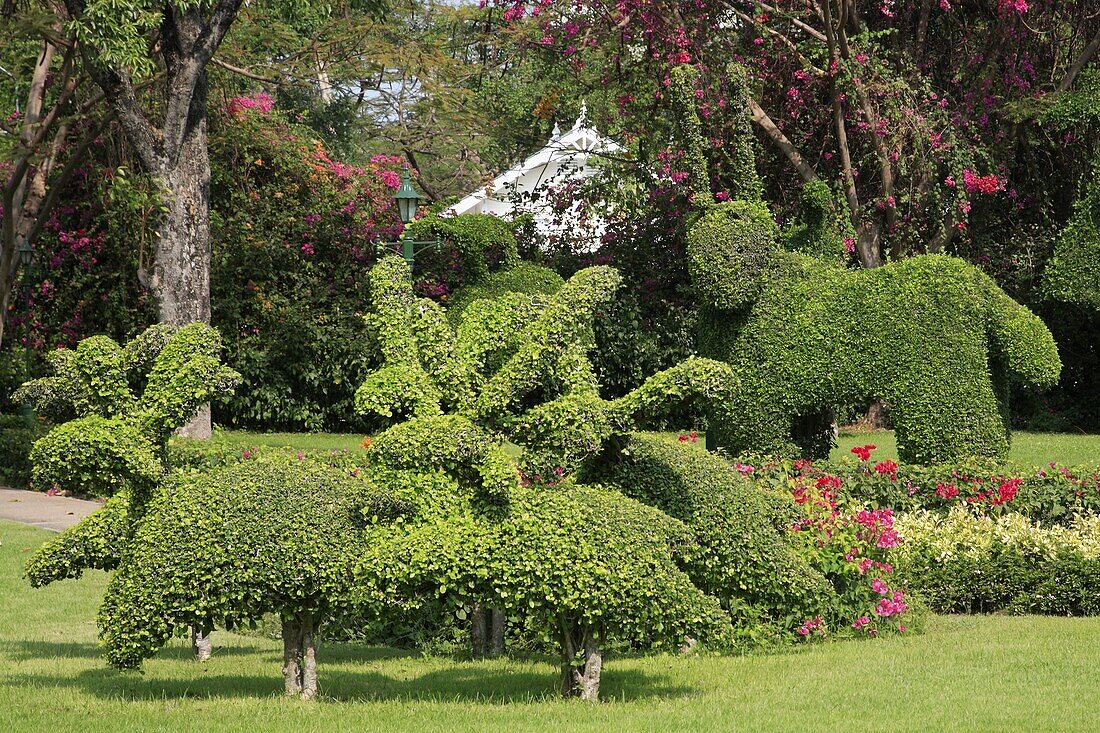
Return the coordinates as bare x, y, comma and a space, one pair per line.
119, 405
932, 336
516, 368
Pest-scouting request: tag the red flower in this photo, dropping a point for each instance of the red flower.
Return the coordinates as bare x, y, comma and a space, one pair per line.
887, 468
864, 451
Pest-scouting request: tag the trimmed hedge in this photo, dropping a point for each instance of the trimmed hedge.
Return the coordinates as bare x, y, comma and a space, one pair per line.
932, 336
1073, 273
226, 546
525, 277
967, 562
743, 558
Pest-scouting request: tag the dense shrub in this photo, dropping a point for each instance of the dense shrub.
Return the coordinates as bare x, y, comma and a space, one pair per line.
526, 277
819, 336
473, 246
17, 435
1073, 273
966, 561
744, 559
118, 406
225, 546
293, 237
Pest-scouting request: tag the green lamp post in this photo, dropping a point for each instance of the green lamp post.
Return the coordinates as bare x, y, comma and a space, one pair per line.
408, 201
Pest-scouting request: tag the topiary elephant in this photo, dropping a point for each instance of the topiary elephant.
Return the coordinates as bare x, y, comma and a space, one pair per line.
932, 336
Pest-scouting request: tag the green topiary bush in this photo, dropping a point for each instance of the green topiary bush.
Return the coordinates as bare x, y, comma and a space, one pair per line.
226, 546
743, 558
525, 277
474, 245
119, 405
931, 336
1073, 273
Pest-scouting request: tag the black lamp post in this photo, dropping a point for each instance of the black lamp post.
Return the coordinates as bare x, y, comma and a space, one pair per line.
26, 258
408, 200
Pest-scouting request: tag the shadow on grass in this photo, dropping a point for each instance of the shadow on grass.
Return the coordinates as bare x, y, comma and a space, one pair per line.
343, 676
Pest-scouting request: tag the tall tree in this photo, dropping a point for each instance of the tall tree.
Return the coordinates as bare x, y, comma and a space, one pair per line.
120, 43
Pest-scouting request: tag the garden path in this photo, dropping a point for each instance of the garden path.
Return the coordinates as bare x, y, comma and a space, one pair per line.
54, 513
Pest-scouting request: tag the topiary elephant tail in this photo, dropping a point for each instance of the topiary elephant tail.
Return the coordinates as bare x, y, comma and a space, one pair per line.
1023, 341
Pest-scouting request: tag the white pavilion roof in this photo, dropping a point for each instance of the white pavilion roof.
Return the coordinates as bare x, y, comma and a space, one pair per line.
522, 189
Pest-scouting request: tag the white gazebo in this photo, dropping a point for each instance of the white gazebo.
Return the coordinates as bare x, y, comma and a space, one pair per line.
529, 187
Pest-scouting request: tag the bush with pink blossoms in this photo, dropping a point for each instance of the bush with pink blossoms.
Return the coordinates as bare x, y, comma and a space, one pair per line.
851, 545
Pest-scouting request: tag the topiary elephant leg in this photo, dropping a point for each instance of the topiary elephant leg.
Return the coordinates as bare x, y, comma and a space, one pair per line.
939, 419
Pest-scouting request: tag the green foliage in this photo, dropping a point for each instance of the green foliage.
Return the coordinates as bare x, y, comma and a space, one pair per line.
821, 227
965, 562
17, 436
933, 337
94, 456
476, 244
293, 235
742, 557
121, 405
454, 445
97, 542
1073, 273
730, 250
584, 557
525, 277
682, 83
226, 546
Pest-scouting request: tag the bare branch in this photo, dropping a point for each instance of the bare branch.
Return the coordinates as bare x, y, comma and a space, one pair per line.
761, 118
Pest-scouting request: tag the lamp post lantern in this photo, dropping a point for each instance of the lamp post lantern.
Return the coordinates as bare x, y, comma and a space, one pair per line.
408, 201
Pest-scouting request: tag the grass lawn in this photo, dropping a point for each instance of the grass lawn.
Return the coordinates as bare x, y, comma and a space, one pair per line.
965, 673
1028, 449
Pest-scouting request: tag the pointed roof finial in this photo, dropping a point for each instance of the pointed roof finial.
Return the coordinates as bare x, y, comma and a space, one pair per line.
583, 119
556, 133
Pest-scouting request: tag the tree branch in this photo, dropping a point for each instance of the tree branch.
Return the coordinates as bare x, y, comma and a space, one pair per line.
1082, 60
245, 72
761, 118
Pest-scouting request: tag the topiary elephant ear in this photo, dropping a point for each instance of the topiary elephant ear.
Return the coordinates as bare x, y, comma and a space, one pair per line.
729, 250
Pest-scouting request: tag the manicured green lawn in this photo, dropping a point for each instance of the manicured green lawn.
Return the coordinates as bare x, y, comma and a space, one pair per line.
1028, 449
974, 674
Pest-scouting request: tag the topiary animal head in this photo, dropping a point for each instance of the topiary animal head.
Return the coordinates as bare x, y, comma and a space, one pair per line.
729, 250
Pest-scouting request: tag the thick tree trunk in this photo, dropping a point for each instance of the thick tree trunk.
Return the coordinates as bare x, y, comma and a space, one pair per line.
180, 280
201, 645
300, 656
496, 632
292, 655
581, 663
486, 631
480, 631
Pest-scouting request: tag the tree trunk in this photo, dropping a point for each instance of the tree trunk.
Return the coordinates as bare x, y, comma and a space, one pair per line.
201, 645
480, 631
497, 624
581, 663
300, 656
180, 279
309, 657
292, 655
